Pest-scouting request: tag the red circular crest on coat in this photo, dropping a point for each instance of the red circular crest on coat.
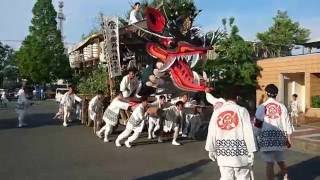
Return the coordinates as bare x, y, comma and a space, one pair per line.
228, 120
273, 111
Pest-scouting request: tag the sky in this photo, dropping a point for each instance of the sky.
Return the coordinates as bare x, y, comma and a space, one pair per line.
251, 16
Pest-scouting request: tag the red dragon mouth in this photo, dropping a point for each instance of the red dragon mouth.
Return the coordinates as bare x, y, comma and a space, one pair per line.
179, 63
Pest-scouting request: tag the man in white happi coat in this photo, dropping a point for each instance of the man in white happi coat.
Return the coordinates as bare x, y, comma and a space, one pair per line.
275, 134
95, 110
135, 14
230, 140
135, 124
110, 116
22, 107
154, 120
130, 86
69, 101
173, 117
216, 102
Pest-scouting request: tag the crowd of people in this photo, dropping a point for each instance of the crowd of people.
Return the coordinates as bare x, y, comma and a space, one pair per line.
232, 140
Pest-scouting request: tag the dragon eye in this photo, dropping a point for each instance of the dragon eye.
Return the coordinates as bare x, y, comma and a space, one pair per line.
155, 20
169, 43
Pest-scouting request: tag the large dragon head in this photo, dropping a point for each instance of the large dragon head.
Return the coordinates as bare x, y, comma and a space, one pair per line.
178, 57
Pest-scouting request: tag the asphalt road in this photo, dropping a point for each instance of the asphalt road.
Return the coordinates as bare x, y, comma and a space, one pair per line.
45, 150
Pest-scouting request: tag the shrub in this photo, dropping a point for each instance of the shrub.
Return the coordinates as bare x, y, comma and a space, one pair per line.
96, 80
315, 101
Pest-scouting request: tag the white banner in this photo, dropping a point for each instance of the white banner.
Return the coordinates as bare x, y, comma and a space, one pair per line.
111, 31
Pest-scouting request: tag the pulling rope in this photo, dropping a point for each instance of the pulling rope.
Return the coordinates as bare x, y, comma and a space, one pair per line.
149, 32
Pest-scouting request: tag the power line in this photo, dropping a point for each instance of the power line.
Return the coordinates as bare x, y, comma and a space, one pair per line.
20, 41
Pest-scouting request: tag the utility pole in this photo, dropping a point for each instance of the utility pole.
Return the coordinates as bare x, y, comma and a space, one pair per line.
61, 18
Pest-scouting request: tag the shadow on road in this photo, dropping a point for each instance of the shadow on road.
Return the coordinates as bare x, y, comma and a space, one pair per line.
176, 172
308, 169
33, 121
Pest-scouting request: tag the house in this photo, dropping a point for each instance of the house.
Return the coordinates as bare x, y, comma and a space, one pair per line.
298, 74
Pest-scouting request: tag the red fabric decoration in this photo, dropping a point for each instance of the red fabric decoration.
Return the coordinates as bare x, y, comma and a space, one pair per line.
166, 42
155, 20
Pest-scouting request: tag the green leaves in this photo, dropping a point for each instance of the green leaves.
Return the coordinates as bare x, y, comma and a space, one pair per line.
8, 69
281, 37
315, 101
97, 80
235, 63
42, 57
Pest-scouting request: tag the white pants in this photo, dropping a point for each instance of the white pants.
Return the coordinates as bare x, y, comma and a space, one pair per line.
107, 130
129, 128
21, 116
66, 114
175, 133
186, 125
154, 125
235, 173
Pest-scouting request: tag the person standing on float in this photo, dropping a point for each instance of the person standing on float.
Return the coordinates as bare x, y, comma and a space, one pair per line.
135, 15
130, 85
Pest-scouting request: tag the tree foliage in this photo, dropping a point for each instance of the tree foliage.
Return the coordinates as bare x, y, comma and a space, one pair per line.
284, 33
42, 56
234, 63
8, 68
96, 80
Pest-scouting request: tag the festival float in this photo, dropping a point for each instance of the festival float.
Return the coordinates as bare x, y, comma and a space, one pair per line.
158, 47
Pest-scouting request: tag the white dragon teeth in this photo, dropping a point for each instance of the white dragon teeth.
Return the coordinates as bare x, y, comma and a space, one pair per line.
195, 59
167, 65
196, 78
192, 60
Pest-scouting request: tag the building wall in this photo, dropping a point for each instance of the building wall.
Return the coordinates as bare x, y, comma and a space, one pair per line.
275, 71
315, 84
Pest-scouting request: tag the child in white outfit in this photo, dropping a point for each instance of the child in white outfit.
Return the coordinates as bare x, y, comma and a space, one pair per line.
294, 109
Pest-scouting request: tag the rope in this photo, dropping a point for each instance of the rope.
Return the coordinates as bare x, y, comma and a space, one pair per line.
149, 32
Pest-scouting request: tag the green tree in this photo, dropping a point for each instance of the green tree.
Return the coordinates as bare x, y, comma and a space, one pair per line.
96, 80
284, 33
42, 56
234, 63
8, 68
